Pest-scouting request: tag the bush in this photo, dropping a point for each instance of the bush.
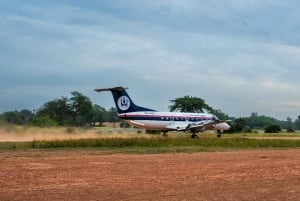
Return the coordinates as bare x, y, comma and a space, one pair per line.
70, 129
290, 130
246, 129
153, 132
123, 124
43, 122
274, 128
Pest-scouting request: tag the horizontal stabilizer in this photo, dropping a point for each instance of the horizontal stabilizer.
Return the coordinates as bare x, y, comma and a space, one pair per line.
111, 89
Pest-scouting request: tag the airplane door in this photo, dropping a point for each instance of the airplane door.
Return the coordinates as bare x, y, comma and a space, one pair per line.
186, 119
172, 120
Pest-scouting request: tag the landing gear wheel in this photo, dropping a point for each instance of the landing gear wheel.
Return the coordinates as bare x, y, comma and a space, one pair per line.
165, 134
219, 135
194, 135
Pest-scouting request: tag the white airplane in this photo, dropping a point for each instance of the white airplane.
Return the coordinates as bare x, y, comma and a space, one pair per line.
163, 121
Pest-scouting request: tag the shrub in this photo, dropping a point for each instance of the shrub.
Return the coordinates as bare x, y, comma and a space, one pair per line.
246, 129
290, 130
70, 129
123, 124
43, 121
153, 132
274, 128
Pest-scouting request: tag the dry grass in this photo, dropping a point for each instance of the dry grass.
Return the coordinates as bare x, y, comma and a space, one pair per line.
10, 133
25, 134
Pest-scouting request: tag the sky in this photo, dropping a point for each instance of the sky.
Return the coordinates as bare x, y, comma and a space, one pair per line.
240, 56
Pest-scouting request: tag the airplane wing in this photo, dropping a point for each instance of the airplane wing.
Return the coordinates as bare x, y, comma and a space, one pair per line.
195, 128
203, 126
178, 127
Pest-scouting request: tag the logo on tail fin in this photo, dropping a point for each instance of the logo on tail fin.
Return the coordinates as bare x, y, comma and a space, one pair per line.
123, 103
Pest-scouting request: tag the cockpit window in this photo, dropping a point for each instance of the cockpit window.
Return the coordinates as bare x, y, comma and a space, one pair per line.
215, 118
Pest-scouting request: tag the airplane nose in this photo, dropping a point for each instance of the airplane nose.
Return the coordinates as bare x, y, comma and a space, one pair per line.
226, 126
223, 126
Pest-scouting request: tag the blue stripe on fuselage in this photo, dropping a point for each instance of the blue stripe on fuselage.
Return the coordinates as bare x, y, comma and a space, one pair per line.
164, 118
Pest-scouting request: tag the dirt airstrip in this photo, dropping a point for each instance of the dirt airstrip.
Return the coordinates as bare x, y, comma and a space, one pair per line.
90, 175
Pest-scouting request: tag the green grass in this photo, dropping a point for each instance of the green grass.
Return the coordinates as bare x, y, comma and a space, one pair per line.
156, 144
116, 140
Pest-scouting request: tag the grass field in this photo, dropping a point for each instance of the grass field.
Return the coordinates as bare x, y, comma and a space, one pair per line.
136, 141
127, 164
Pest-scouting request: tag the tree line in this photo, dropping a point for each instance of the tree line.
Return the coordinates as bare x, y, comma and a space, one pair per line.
78, 110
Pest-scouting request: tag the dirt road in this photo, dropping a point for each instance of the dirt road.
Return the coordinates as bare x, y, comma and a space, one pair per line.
88, 175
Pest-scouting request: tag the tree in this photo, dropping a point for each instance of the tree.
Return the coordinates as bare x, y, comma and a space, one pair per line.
12, 117
289, 124
98, 115
26, 116
57, 110
80, 108
112, 115
297, 122
220, 114
76, 110
239, 125
274, 128
260, 121
18, 117
189, 104
43, 121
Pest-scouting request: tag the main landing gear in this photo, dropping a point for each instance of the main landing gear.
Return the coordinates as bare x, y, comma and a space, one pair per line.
165, 134
219, 133
194, 135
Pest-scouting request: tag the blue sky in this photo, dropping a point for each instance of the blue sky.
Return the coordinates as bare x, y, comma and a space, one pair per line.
240, 56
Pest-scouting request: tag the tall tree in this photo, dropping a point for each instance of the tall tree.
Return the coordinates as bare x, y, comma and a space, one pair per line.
289, 124
26, 116
297, 122
57, 110
80, 107
76, 110
112, 115
260, 121
18, 117
189, 104
220, 114
12, 117
98, 115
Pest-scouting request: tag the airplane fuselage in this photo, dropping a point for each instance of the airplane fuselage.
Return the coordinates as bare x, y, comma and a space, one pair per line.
170, 121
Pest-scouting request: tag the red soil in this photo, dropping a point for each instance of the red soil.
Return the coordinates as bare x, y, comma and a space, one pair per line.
89, 175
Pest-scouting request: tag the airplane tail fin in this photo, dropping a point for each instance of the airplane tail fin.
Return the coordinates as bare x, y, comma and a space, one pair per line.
123, 101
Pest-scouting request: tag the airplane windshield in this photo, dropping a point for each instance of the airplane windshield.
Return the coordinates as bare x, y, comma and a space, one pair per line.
215, 118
